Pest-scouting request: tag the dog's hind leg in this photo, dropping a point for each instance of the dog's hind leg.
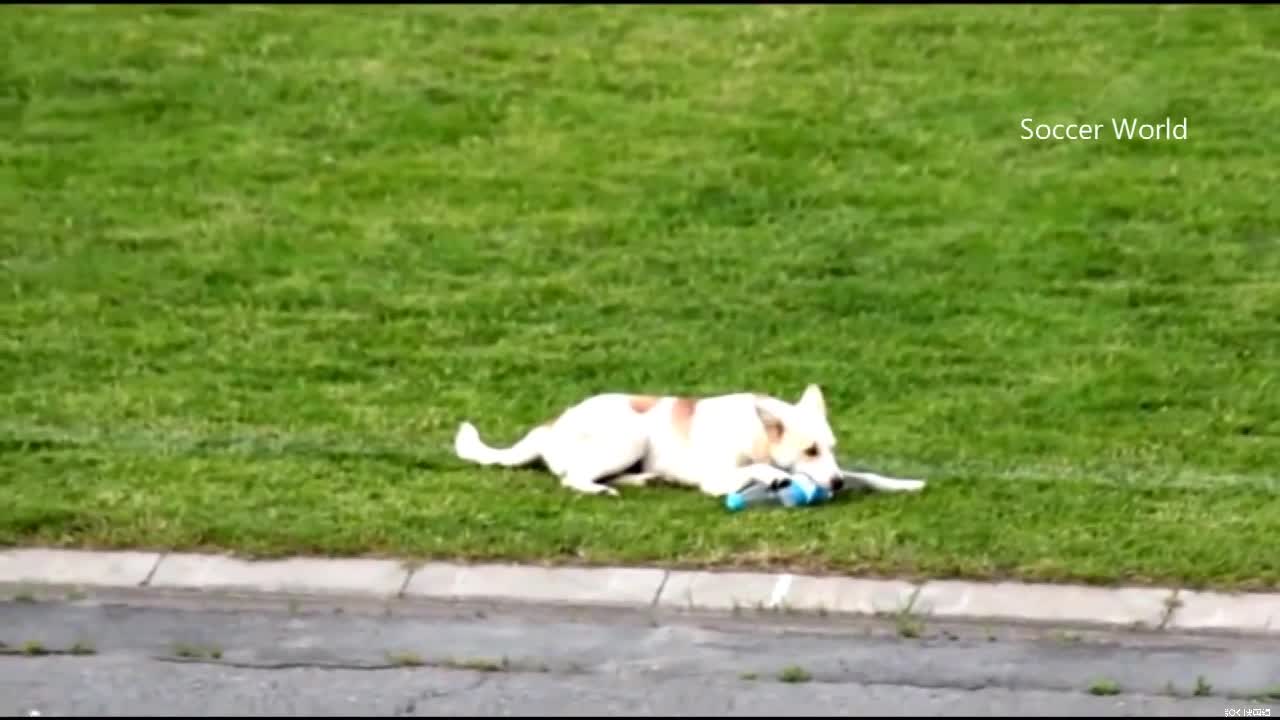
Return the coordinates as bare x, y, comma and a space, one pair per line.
468, 446
588, 457
633, 479
596, 462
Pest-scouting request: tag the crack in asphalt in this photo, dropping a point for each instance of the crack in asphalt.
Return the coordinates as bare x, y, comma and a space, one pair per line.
19, 652
454, 665
411, 705
283, 665
485, 671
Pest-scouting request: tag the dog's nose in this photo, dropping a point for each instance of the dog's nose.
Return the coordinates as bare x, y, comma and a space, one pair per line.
837, 484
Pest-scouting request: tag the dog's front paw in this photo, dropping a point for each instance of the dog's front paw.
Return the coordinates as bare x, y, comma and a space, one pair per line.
770, 475
779, 483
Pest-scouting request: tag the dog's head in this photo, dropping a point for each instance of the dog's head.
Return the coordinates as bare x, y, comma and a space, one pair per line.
800, 438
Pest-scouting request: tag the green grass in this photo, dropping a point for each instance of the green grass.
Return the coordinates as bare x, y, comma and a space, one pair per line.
794, 674
1203, 688
34, 648
406, 659
256, 264
1104, 687
195, 652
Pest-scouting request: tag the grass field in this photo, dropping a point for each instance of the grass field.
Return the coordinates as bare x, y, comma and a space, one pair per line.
258, 263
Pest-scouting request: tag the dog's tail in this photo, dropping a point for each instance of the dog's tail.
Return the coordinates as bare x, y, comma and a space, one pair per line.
468, 445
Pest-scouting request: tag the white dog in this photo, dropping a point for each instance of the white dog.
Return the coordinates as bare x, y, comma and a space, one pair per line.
715, 444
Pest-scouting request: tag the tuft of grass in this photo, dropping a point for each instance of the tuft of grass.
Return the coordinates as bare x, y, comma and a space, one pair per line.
33, 647
83, 648
197, 652
908, 624
1104, 687
1203, 688
794, 674
1066, 636
24, 596
374, 225
1171, 605
406, 659
483, 665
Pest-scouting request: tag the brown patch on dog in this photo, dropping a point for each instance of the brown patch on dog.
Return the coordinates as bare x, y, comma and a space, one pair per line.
682, 415
643, 403
772, 426
760, 450
762, 446
773, 431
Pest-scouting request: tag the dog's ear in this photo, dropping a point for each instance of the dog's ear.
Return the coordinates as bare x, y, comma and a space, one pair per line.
813, 402
772, 422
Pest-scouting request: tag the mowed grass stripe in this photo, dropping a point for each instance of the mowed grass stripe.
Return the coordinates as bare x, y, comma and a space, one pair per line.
963, 527
257, 263
260, 442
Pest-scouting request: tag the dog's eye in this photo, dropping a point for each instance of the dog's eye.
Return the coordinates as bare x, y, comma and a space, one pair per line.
813, 451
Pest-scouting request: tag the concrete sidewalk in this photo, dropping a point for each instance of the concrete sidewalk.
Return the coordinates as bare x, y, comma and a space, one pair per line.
1135, 608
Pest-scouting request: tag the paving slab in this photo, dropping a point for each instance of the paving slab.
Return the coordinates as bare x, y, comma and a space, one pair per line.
76, 567
707, 590
594, 586
1245, 612
293, 575
1034, 602
848, 595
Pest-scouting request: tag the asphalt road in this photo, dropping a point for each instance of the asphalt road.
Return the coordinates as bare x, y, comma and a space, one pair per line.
156, 656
